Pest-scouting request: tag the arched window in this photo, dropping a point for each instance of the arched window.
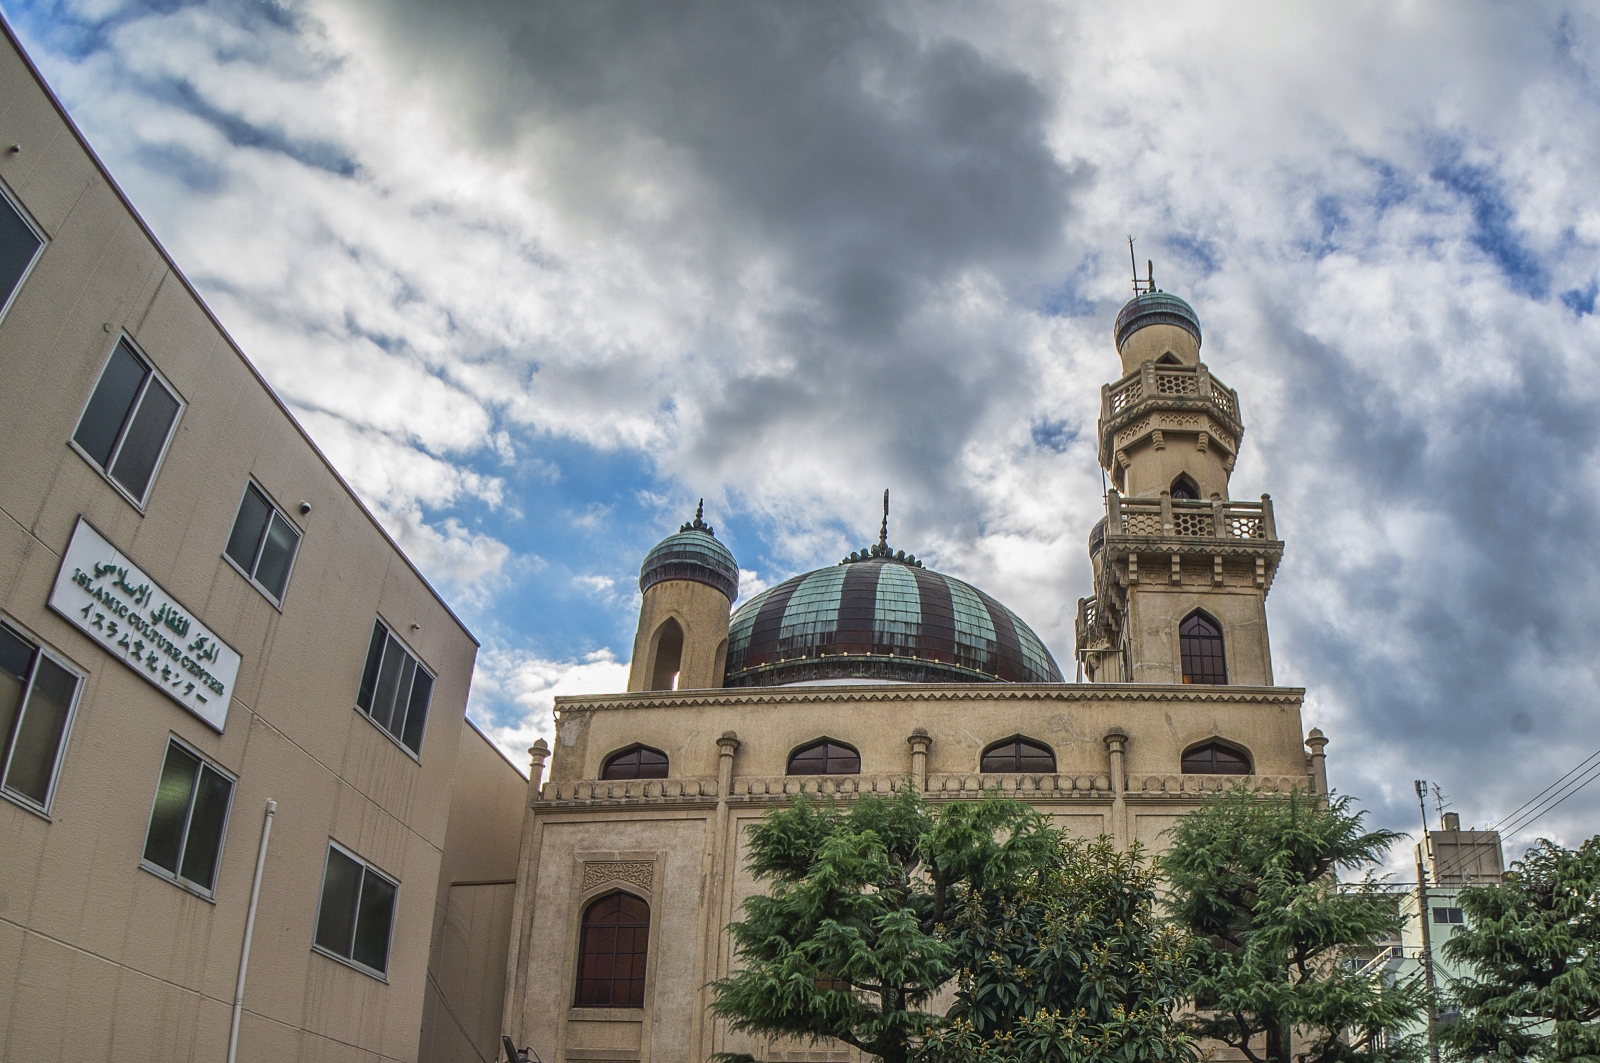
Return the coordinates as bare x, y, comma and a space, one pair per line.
635, 762
1184, 489
826, 757
1200, 645
612, 952
669, 652
1018, 754
1168, 359
1215, 758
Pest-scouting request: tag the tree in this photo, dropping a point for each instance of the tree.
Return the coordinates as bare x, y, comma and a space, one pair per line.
846, 942
1065, 963
1253, 877
1533, 945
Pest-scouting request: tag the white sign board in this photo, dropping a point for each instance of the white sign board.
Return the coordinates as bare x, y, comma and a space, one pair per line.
137, 622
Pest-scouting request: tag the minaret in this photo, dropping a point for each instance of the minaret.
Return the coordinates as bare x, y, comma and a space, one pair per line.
1181, 572
689, 581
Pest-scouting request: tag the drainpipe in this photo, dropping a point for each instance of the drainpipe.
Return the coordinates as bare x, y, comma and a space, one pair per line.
249, 929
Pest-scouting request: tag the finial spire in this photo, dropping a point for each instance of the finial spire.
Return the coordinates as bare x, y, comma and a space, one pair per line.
699, 522
882, 550
1148, 285
883, 533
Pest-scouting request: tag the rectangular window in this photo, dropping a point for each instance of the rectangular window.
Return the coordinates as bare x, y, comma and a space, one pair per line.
395, 689
356, 914
38, 694
128, 422
1448, 915
21, 244
263, 543
188, 820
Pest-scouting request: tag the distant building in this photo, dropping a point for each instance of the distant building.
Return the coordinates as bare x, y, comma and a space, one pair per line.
204, 633
879, 673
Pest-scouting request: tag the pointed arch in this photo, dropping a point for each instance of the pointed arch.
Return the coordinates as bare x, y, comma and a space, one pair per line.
826, 756
1017, 754
666, 655
613, 946
1168, 359
637, 761
1217, 757
1200, 649
1184, 488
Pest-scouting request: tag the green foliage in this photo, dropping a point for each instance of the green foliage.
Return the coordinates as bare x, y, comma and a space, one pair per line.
1065, 963
846, 944
1253, 877
1533, 945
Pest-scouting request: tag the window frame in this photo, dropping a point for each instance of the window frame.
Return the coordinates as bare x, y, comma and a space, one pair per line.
278, 511
1012, 741
15, 203
176, 877
1222, 648
635, 748
804, 747
8, 748
322, 886
584, 908
1216, 743
122, 435
414, 754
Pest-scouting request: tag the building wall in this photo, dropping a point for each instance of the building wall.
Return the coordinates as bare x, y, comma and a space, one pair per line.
679, 843
98, 957
472, 914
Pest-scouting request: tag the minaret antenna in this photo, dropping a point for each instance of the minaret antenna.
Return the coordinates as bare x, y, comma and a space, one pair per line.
1141, 287
1134, 262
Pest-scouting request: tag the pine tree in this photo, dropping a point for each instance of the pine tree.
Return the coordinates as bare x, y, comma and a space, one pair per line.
1253, 878
1533, 945
846, 942
1066, 963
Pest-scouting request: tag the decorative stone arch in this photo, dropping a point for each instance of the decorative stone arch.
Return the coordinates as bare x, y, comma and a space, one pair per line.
666, 654
1217, 756
1201, 650
1168, 358
1184, 488
823, 756
1019, 753
720, 667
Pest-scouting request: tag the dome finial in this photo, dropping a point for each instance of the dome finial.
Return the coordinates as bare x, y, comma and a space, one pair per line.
699, 522
1148, 285
883, 533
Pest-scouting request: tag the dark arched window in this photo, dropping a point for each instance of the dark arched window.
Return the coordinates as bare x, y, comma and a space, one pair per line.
1168, 359
612, 952
1215, 758
1018, 754
1184, 489
1200, 645
635, 762
826, 757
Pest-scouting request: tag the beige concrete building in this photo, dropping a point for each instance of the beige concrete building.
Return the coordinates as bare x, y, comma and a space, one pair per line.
205, 637
878, 673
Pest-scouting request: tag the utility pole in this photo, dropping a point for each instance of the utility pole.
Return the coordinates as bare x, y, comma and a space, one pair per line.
1422, 920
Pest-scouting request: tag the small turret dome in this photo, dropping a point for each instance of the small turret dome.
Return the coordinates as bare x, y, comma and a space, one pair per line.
692, 553
1156, 308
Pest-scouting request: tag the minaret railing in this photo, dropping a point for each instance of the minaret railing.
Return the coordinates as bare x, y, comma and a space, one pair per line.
1166, 517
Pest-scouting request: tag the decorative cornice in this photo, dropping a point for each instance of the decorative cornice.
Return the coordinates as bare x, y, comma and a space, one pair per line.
909, 692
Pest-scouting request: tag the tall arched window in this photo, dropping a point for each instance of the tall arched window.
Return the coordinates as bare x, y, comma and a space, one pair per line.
1215, 758
1018, 754
826, 757
612, 952
1200, 645
635, 762
1184, 489
668, 654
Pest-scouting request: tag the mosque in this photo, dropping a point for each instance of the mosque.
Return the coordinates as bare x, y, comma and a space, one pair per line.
878, 673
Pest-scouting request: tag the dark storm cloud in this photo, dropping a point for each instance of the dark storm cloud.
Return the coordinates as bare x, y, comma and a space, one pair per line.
874, 168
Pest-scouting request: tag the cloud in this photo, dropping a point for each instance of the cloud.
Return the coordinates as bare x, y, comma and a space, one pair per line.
787, 255
513, 693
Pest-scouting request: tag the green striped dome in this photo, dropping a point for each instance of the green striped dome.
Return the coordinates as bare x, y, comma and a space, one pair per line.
881, 618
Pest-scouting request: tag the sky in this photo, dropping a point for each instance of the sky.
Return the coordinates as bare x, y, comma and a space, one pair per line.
537, 277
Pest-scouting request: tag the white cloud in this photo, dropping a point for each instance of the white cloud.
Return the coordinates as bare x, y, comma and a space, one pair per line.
513, 693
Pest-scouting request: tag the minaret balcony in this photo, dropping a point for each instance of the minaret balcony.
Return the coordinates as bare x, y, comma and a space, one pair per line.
1130, 407
1157, 531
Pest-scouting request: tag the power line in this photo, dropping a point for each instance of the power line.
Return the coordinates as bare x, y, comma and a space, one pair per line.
1533, 816
1533, 809
1547, 789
